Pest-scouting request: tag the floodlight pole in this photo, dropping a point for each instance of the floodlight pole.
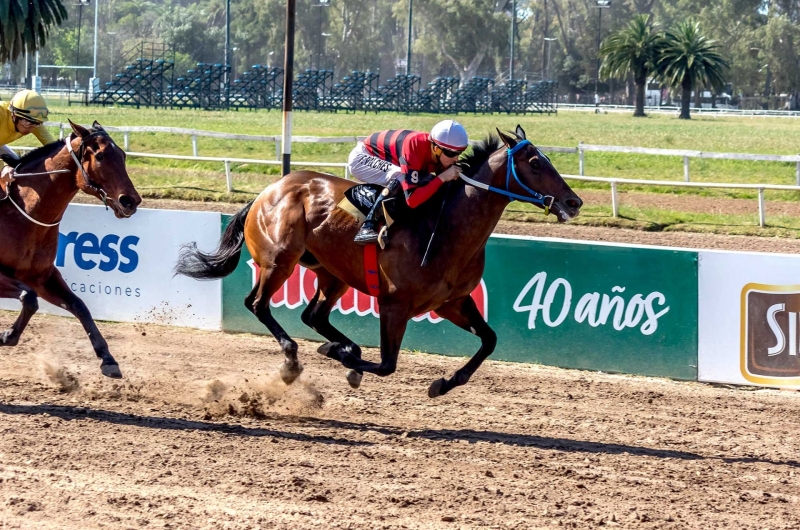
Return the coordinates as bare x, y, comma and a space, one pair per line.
513, 32
408, 48
227, 53
288, 73
600, 5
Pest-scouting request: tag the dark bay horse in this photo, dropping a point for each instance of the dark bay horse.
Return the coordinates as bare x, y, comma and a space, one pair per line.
296, 219
87, 160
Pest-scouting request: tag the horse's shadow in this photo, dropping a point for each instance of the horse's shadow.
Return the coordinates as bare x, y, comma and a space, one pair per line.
448, 435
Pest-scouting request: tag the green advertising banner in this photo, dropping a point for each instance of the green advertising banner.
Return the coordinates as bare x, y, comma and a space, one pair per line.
569, 304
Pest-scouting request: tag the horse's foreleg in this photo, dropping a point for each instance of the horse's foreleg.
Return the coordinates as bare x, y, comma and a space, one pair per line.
464, 313
55, 290
11, 288
317, 316
394, 321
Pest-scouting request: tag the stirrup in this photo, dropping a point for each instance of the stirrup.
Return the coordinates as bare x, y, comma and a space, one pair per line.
366, 236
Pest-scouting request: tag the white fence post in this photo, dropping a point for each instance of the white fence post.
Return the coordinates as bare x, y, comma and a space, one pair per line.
614, 202
797, 173
580, 158
686, 168
762, 214
61, 133
194, 145
228, 176
126, 140
277, 150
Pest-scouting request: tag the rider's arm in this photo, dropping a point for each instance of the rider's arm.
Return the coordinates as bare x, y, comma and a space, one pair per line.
43, 135
415, 192
5, 150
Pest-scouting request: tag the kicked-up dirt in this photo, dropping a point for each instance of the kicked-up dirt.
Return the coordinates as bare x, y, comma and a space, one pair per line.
202, 433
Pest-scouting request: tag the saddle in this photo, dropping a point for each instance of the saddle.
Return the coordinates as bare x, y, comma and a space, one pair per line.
359, 199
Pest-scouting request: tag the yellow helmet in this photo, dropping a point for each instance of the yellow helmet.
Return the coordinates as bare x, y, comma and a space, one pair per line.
30, 106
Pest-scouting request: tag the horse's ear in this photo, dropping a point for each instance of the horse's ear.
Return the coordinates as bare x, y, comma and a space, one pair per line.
508, 140
81, 131
520, 132
97, 127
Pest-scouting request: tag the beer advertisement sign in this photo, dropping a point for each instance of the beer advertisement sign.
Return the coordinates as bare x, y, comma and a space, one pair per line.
749, 319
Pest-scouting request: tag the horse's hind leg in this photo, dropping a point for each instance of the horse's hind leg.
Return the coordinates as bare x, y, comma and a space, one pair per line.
317, 316
10, 288
464, 313
271, 278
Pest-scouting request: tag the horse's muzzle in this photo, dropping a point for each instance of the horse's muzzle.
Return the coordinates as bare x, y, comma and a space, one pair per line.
125, 205
567, 209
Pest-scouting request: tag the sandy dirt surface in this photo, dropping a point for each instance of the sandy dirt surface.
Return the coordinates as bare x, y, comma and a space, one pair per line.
588, 233
202, 434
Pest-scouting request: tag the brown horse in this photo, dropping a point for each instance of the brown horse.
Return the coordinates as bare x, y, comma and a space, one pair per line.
297, 220
88, 160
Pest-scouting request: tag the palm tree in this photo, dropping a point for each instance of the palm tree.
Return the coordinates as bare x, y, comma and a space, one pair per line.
689, 60
25, 25
633, 49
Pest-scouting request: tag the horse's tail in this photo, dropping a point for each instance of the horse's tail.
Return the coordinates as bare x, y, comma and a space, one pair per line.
221, 262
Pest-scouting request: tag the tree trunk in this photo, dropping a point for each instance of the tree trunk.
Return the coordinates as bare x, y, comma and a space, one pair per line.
686, 98
698, 93
641, 84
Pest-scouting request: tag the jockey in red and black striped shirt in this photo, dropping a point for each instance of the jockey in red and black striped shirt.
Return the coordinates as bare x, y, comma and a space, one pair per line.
419, 162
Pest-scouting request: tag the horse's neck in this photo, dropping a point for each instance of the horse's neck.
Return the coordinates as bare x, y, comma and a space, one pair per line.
46, 197
474, 213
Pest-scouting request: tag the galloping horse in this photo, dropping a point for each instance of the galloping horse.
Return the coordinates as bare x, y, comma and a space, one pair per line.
296, 219
48, 178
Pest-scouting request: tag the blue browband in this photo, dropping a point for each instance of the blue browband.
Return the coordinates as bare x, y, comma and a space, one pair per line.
546, 201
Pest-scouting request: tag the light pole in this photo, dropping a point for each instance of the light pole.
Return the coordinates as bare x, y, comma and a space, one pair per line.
600, 5
320, 4
408, 48
513, 32
80, 5
111, 48
548, 40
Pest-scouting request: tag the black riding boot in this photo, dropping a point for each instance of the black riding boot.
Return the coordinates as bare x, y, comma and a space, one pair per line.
369, 230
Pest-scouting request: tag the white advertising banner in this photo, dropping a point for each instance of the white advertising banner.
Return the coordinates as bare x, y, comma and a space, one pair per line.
123, 268
749, 330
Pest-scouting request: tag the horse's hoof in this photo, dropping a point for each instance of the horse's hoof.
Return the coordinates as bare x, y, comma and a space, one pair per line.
354, 378
7, 338
435, 390
111, 370
290, 372
330, 350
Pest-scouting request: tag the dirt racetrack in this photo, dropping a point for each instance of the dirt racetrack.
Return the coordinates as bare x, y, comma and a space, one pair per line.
202, 434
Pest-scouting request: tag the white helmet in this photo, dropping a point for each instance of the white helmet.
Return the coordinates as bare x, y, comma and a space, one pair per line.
450, 135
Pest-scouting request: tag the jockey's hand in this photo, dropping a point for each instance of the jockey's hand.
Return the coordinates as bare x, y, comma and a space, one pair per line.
450, 173
6, 177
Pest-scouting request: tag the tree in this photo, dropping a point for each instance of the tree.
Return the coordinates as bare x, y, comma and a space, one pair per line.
25, 25
633, 49
689, 60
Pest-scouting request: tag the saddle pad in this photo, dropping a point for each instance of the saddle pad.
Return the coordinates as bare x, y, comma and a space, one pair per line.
363, 196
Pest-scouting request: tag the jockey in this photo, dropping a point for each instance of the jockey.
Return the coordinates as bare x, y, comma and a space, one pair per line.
418, 162
24, 115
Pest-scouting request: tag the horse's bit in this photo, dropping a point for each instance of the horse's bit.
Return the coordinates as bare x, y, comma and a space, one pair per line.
545, 201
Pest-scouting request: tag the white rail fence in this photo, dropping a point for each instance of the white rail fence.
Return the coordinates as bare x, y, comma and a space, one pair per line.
581, 149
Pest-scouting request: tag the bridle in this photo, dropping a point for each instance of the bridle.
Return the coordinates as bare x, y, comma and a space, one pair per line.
545, 201
79, 161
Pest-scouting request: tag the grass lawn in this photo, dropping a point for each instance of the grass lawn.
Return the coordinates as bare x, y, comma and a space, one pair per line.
206, 181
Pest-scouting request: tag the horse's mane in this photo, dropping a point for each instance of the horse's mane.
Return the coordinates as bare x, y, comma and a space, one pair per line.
479, 154
40, 152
